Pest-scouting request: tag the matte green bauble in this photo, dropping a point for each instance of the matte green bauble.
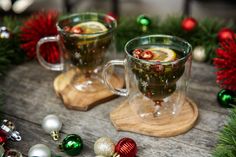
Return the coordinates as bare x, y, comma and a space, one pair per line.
72, 144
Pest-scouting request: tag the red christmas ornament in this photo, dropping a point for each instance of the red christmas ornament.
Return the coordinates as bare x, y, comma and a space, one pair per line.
226, 65
225, 34
189, 24
108, 19
126, 147
36, 27
3, 137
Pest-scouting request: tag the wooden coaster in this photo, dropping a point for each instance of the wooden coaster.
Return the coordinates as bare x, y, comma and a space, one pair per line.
74, 99
125, 119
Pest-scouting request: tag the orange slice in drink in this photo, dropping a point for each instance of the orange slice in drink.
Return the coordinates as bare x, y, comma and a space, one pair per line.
90, 27
162, 54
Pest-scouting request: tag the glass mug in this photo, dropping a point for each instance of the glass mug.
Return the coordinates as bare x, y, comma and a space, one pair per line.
154, 89
86, 52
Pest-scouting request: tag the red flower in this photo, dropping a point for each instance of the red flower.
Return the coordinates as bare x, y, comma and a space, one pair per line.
226, 65
40, 25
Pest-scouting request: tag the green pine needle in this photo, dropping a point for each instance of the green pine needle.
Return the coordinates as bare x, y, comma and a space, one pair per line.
226, 146
10, 51
205, 34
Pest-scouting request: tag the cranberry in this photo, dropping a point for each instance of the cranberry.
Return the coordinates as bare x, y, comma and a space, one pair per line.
137, 53
147, 55
67, 28
77, 30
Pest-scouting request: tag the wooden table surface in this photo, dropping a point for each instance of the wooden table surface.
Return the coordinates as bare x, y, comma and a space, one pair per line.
30, 97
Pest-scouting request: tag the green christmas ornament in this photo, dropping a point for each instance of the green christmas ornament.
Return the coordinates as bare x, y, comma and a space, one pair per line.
226, 98
144, 22
72, 144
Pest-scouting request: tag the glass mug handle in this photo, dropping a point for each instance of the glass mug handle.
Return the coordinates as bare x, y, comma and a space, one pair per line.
121, 92
42, 61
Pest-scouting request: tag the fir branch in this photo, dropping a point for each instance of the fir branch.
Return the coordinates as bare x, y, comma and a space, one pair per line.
10, 51
226, 146
205, 34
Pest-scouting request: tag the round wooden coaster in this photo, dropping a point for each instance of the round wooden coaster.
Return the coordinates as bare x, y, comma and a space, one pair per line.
74, 99
125, 119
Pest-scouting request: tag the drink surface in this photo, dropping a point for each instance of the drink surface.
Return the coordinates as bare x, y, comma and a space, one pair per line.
157, 69
86, 43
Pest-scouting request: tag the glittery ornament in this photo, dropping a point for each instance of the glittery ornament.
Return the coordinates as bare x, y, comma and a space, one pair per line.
199, 54
225, 34
104, 146
126, 147
188, 24
226, 98
4, 33
144, 22
72, 144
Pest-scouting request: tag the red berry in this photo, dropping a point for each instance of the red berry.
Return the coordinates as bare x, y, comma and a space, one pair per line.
76, 30
147, 55
137, 53
67, 28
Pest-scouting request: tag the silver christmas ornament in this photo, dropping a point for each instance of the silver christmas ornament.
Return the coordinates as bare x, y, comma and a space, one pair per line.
199, 54
13, 153
4, 33
39, 150
8, 128
104, 146
52, 125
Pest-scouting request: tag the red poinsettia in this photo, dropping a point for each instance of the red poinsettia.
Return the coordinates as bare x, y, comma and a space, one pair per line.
226, 64
40, 25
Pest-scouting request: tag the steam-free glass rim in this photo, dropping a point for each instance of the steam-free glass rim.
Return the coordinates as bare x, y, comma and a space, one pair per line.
113, 20
159, 36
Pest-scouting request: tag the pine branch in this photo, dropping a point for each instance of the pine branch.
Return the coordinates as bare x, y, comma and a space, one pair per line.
204, 35
10, 51
226, 146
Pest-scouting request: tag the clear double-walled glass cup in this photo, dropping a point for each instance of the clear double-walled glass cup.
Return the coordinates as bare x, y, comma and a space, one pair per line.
154, 89
84, 53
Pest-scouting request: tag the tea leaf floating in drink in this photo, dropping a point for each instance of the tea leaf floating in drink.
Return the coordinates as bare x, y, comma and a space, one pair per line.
157, 81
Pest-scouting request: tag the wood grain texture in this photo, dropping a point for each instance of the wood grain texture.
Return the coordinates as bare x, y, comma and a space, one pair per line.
125, 119
30, 97
83, 101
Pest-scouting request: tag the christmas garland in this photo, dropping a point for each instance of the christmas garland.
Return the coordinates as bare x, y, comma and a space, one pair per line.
207, 33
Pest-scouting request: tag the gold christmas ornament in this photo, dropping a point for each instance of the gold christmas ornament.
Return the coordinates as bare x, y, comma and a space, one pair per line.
104, 146
199, 54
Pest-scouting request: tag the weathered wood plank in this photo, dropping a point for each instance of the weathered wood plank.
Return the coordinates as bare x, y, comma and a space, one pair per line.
30, 97
148, 146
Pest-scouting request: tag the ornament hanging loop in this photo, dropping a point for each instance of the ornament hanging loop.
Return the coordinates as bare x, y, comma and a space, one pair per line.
55, 135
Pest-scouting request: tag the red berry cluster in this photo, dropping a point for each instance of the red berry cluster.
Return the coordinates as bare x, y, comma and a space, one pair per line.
76, 30
143, 54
